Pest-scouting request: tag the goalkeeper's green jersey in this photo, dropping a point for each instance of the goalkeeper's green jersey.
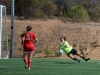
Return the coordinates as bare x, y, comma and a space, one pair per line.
65, 49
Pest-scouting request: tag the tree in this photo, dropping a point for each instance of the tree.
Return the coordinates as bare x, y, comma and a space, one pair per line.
78, 13
27, 8
6, 3
49, 8
95, 15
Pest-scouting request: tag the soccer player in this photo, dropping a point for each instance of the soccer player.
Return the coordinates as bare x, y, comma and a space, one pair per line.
70, 51
28, 41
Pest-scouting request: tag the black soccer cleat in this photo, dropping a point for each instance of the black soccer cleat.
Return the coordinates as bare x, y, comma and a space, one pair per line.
87, 59
79, 61
25, 65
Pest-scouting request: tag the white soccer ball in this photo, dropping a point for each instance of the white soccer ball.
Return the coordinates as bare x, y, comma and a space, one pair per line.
60, 51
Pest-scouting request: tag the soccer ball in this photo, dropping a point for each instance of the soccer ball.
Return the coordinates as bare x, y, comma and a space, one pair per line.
60, 51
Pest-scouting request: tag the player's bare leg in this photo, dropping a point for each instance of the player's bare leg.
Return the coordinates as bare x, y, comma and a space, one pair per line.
25, 59
82, 56
29, 60
72, 57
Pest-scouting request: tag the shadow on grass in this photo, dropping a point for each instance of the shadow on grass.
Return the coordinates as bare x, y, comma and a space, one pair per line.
59, 62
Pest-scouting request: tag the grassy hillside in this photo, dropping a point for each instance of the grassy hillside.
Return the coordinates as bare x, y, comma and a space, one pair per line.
82, 36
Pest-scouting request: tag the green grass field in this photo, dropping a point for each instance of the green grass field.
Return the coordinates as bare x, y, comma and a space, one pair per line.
49, 66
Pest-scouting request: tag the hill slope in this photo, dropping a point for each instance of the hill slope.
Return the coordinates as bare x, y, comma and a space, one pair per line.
82, 36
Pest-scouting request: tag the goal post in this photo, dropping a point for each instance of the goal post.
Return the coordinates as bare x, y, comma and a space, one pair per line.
3, 33
0, 28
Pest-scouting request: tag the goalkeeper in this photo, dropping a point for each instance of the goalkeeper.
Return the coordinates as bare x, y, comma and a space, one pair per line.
70, 51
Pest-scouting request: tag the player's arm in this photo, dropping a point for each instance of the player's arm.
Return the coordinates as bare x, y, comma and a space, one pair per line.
23, 40
66, 45
22, 37
35, 40
60, 44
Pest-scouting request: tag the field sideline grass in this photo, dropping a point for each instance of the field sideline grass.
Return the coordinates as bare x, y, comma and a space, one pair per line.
48, 66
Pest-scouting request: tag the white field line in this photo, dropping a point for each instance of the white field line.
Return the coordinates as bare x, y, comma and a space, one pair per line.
98, 63
51, 67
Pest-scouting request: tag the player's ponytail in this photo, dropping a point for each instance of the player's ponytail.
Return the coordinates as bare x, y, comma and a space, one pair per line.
22, 34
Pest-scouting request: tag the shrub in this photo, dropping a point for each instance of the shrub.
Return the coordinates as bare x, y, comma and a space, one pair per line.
77, 13
28, 8
9, 42
49, 8
48, 52
58, 54
38, 15
95, 16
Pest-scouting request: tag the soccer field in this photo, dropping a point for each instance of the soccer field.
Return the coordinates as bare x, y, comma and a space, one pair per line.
48, 66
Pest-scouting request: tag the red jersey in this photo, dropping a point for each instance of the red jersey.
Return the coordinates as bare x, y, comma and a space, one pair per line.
28, 41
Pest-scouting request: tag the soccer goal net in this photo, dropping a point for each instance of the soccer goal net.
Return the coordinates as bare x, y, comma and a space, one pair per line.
3, 33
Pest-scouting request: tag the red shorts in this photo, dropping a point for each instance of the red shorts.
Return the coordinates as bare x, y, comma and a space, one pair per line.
28, 47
